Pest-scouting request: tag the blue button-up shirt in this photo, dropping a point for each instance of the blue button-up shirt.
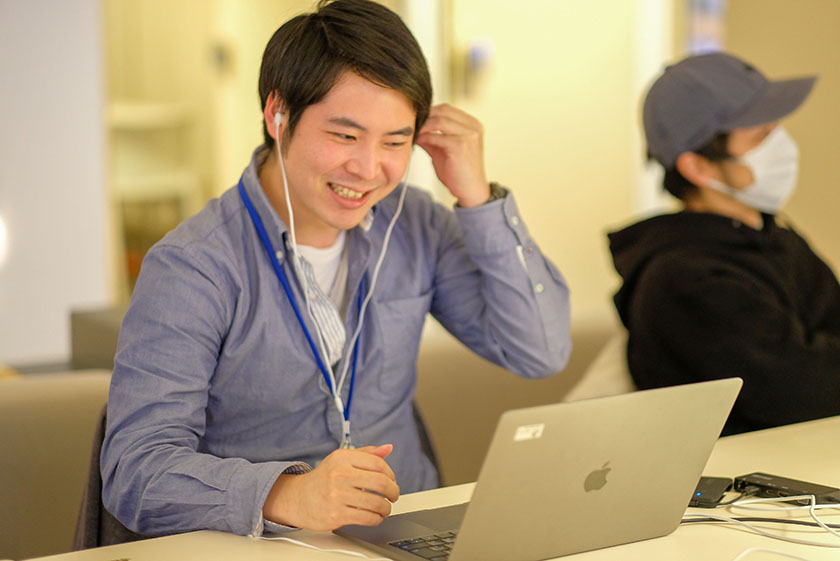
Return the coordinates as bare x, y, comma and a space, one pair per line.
215, 391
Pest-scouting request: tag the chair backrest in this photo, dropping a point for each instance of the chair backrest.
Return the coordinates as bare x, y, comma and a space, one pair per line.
608, 374
47, 423
96, 526
452, 377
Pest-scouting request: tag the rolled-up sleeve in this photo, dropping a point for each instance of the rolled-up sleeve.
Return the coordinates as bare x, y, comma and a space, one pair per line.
507, 301
156, 479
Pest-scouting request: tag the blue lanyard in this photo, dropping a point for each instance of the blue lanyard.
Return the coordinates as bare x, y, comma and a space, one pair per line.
281, 275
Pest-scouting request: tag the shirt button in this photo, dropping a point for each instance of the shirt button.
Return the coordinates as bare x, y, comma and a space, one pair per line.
514, 220
279, 255
539, 288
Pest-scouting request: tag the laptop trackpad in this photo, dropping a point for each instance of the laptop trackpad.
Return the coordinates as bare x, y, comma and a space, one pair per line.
438, 519
408, 525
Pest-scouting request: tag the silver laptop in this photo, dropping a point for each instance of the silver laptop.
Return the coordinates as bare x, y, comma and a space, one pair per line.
572, 477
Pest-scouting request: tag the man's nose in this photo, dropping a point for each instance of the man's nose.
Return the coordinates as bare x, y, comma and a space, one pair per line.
365, 162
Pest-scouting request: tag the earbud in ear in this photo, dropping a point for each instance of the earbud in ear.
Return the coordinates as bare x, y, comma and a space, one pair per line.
278, 118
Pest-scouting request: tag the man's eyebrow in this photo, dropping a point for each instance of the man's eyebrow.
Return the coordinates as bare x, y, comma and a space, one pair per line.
348, 122
405, 131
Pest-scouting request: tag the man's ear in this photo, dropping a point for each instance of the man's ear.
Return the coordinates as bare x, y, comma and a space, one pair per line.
274, 105
694, 168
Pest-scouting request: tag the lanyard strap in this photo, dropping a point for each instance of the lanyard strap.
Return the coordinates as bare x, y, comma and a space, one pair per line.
281, 276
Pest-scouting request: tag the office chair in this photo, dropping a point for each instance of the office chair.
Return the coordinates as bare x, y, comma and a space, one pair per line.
608, 374
96, 526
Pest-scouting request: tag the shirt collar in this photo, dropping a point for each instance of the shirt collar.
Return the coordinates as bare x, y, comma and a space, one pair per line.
367, 222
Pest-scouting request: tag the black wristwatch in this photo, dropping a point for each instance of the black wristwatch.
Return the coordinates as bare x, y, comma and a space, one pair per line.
496, 192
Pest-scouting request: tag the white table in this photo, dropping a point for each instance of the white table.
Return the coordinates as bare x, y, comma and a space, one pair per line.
808, 451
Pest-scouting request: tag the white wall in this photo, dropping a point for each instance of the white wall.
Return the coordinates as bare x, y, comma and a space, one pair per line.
560, 105
52, 174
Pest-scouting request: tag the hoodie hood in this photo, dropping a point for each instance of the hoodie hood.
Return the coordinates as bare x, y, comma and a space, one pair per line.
634, 247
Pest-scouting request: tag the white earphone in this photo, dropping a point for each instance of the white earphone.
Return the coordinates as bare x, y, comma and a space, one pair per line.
278, 118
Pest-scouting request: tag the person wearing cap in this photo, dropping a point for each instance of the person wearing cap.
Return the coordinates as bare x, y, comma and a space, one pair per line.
720, 288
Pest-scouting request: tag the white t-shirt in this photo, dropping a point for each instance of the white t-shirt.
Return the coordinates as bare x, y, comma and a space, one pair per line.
330, 267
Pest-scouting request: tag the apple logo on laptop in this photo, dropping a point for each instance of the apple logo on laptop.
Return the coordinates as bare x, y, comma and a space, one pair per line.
597, 478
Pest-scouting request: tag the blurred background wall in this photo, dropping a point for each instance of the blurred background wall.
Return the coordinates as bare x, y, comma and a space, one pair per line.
56, 237
119, 118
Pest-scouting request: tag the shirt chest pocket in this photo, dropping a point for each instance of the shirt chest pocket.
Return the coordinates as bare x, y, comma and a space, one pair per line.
400, 327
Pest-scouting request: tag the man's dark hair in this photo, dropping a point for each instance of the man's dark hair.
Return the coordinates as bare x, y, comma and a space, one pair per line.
306, 56
715, 150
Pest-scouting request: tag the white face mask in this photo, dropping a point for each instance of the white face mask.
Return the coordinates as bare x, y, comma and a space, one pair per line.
774, 165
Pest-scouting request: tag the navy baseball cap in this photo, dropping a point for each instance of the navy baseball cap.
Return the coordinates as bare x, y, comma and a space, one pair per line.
704, 95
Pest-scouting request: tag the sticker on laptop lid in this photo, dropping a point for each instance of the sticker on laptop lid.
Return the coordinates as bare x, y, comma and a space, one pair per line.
528, 432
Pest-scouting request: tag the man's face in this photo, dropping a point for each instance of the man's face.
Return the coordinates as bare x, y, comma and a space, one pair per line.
733, 172
346, 153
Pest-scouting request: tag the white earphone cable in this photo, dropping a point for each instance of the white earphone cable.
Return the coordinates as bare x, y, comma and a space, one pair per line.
752, 550
375, 276
337, 385
316, 548
339, 405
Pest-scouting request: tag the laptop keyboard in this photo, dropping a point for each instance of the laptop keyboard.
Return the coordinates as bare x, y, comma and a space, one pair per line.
435, 547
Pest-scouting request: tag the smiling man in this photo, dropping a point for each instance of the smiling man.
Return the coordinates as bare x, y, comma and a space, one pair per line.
722, 289
267, 364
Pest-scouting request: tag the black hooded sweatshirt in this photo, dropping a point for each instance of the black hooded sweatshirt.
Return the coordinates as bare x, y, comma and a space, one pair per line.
707, 297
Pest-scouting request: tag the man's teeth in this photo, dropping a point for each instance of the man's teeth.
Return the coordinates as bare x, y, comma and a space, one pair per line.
345, 192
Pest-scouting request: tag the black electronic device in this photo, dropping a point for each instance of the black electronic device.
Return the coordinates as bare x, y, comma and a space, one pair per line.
775, 486
710, 491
